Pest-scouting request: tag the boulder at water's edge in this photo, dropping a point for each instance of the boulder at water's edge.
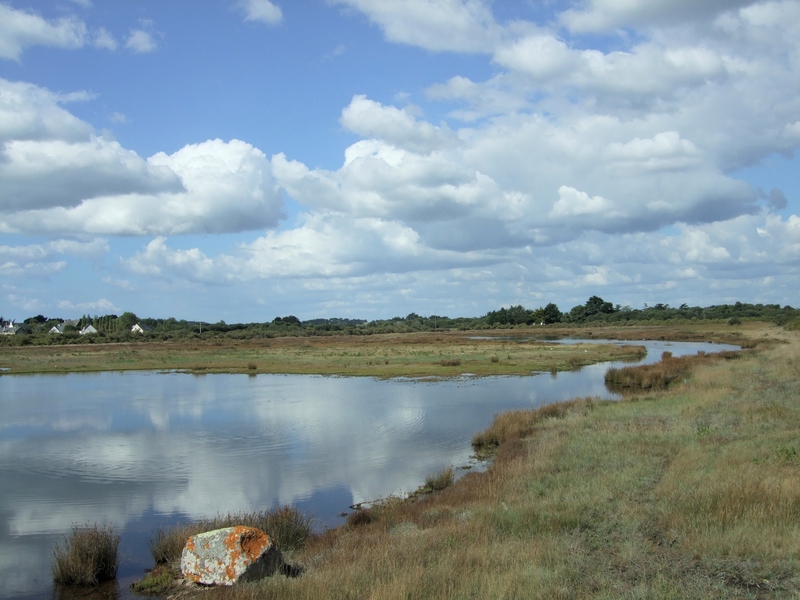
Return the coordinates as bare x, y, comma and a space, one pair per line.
226, 556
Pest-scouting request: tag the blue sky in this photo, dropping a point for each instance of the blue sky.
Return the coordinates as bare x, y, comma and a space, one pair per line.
244, 159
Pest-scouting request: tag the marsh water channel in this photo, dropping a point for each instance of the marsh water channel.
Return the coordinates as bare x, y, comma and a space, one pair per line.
142, 450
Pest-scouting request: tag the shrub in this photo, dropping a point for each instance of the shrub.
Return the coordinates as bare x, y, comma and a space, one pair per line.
362, 516
88, 557
450, 362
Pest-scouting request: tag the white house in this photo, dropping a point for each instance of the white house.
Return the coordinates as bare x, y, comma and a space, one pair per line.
88, 329
60, 327
140, 328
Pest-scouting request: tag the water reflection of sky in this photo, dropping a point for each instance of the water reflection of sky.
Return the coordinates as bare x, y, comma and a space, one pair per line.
141, 450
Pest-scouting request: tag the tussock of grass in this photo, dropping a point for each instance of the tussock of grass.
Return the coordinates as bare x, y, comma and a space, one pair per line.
362, 516
440, 481
87, 557
450, 362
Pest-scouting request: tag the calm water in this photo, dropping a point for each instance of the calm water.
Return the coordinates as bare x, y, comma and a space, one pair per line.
144, 449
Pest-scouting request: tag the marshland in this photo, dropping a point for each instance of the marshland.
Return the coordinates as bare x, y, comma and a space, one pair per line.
687, 490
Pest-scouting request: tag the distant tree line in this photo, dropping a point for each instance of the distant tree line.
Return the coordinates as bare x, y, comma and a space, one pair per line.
595, 311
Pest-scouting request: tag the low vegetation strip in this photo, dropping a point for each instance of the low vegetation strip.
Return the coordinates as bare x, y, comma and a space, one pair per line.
444, 354
688, 492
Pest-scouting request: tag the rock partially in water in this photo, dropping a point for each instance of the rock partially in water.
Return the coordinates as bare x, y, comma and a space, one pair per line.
227, 556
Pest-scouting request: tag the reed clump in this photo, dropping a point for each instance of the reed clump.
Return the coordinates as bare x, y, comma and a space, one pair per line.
88, 557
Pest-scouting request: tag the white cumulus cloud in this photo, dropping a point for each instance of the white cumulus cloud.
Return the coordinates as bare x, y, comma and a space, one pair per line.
141, 41
20, 29
439, 25
60, 176
261, 10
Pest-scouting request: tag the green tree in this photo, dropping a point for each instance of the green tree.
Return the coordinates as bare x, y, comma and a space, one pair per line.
126, 320
551, 314
596, 305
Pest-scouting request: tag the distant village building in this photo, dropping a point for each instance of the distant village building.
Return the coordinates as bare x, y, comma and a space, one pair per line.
88, 329
60, 328
141, 328
8, 328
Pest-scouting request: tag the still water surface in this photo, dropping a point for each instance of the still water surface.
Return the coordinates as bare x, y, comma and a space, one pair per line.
145, 449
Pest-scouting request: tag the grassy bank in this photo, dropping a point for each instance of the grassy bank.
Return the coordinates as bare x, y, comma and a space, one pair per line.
692, 491
443, 354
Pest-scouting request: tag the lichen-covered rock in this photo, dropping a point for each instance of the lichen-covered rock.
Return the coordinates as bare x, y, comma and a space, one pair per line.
226, 556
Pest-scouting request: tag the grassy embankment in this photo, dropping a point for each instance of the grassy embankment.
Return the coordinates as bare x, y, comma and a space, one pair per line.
442, 354
688, 492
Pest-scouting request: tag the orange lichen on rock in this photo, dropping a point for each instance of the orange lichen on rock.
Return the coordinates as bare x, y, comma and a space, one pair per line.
229, 555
